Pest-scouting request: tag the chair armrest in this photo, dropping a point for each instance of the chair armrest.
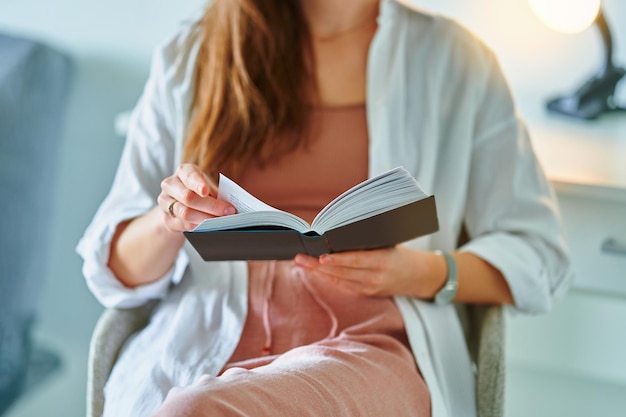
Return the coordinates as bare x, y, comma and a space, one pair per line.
487, 348
112, 330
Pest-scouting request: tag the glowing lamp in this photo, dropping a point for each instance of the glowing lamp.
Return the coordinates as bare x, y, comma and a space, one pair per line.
567, 16
596, 96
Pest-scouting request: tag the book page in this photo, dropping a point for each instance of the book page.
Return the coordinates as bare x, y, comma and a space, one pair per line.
250, 211
384, 192
243, 201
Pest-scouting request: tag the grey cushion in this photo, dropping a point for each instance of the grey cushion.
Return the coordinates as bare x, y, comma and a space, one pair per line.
34, 83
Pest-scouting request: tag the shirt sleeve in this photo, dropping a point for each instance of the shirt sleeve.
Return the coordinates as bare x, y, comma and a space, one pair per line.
512, 213
147, 158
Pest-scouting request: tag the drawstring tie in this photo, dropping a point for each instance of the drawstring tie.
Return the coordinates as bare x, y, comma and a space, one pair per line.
320, 302
269, 292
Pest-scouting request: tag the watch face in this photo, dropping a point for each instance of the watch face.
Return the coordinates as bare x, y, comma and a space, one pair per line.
446, 295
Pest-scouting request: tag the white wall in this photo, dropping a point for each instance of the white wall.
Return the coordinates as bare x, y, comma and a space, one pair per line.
536, 59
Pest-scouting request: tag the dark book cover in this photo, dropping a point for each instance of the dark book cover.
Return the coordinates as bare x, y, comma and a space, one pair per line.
278, 243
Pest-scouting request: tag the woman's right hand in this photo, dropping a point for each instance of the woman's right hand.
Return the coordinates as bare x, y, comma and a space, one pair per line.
188, 197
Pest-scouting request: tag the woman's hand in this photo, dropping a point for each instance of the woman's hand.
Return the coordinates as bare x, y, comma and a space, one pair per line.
146, 247
399, 270
188, 197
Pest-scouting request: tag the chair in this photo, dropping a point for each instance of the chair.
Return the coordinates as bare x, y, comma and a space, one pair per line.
485, 338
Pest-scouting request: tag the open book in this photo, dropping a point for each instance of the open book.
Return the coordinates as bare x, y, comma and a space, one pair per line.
380, 212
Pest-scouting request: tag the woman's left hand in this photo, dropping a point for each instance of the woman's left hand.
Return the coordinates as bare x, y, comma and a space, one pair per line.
399, 270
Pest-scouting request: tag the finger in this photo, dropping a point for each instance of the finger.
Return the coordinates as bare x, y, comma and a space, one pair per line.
306, 260
181, 216
175, 224
189, 174
194, 179
361, 276
338, 271
213, 188
366, 259
355, 260
176, 189
355, 287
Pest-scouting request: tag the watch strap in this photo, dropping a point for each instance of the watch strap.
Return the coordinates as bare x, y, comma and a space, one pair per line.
446, 294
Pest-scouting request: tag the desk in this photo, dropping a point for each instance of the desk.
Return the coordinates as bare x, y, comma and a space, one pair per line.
587, 158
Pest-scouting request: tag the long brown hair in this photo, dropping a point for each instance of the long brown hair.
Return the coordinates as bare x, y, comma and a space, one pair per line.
252, 82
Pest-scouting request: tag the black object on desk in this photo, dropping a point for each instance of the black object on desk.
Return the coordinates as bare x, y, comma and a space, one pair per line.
597, 95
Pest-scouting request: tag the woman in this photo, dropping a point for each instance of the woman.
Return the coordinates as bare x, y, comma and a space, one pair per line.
298, 101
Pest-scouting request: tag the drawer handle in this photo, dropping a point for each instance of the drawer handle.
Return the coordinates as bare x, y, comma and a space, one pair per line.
613, 247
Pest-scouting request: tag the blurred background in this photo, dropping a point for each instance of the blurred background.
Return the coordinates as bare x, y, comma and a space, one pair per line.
109, 45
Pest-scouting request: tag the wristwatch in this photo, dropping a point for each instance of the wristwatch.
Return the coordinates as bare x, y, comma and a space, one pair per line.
448, 292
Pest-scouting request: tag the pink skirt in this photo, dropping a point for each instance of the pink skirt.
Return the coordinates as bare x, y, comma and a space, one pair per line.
310, 350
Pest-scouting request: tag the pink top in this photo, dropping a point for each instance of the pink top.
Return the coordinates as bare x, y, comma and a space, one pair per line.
304, 181
287, 308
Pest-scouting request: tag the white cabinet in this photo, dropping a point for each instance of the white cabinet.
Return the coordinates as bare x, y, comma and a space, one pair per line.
596, 231
575, 356
585, 334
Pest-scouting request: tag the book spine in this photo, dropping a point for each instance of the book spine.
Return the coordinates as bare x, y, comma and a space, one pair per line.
315, 245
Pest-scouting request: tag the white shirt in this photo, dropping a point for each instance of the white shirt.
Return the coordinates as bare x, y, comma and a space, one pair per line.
437, 104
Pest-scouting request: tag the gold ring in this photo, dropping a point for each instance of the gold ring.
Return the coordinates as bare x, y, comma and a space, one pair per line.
170, 209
